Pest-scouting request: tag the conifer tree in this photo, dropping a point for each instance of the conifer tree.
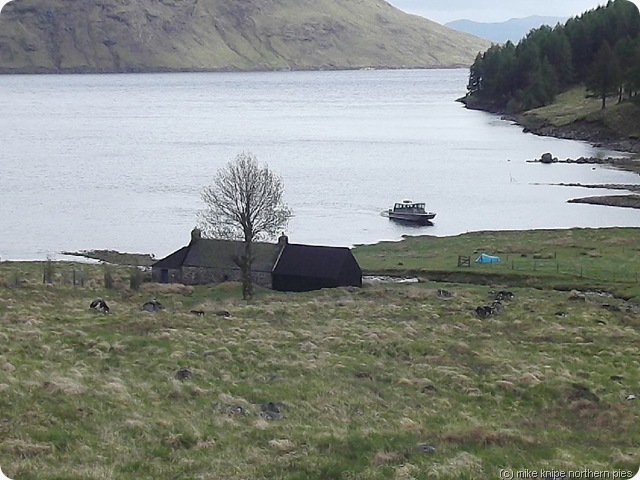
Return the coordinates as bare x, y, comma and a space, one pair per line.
605, 77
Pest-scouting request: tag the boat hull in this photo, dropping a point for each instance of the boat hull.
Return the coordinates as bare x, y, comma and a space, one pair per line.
412, 217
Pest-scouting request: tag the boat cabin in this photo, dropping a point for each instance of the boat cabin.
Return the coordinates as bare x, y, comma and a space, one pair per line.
409, 207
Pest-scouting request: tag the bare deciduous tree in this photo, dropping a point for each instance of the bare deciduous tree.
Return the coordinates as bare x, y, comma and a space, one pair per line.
244, 203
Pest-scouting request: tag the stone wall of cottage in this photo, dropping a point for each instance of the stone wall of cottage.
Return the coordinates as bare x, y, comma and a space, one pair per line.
201, 275
174, 275
263, 279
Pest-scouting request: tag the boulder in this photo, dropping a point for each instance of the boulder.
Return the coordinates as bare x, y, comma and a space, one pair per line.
152, 306
548, 158
184, 373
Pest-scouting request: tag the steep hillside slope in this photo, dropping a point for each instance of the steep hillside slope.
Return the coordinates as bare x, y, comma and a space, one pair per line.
165, 35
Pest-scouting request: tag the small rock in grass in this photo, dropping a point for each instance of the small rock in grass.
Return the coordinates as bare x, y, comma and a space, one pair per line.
581, 392
577, 296
8, 367
611, 308
184, 374
230, 409
429, 388
152, 306
425, 448
272, 411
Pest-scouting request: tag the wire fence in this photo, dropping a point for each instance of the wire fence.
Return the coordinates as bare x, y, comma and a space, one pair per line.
553, 266
51, 274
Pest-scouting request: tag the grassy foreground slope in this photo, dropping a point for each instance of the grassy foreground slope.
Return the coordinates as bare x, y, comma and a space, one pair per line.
387, 381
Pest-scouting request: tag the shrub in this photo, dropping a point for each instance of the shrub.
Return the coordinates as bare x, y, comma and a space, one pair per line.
135, 279
49, 271
108, 278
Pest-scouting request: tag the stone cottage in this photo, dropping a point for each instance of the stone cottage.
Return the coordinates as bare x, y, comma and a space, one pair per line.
281, 266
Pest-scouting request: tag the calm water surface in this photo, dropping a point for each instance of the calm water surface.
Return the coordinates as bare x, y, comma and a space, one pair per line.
119, 161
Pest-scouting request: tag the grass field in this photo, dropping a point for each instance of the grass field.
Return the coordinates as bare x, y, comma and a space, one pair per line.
605, 258
390, 381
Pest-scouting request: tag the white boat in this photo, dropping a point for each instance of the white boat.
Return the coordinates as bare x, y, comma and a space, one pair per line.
409, 211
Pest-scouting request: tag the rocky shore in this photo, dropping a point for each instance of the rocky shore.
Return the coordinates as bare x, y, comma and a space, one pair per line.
625, 201
116, 258
599, 135
631, 164
593, 132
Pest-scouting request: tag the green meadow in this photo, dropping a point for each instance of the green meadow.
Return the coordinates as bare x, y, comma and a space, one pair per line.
584, 258
387, 381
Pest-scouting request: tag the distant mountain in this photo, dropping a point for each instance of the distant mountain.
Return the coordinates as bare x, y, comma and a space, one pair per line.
47, 36
514, 29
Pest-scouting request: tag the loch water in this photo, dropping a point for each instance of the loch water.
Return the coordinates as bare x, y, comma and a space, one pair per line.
119, 161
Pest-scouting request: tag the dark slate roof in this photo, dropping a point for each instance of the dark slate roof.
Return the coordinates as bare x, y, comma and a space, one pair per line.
213, 253
312, 261
174, 260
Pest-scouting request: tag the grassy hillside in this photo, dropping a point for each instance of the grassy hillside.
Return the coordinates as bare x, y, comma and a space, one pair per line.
574, 115
387, 381
149, 35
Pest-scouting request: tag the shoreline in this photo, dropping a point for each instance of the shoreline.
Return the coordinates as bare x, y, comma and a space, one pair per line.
115, 257
631, 200
590, 132
620, 201
580, 130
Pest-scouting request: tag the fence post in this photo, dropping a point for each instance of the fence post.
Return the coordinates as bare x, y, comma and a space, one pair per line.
74, 278
464, 261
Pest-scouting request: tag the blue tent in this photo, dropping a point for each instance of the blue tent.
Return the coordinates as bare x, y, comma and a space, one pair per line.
484, 258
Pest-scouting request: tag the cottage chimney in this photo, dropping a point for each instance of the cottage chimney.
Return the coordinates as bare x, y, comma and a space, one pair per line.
196, 234
283, 240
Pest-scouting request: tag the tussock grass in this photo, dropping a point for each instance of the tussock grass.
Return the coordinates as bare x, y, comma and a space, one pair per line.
360, 379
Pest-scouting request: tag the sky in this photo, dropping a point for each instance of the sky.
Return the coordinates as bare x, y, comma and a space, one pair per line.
443, 11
